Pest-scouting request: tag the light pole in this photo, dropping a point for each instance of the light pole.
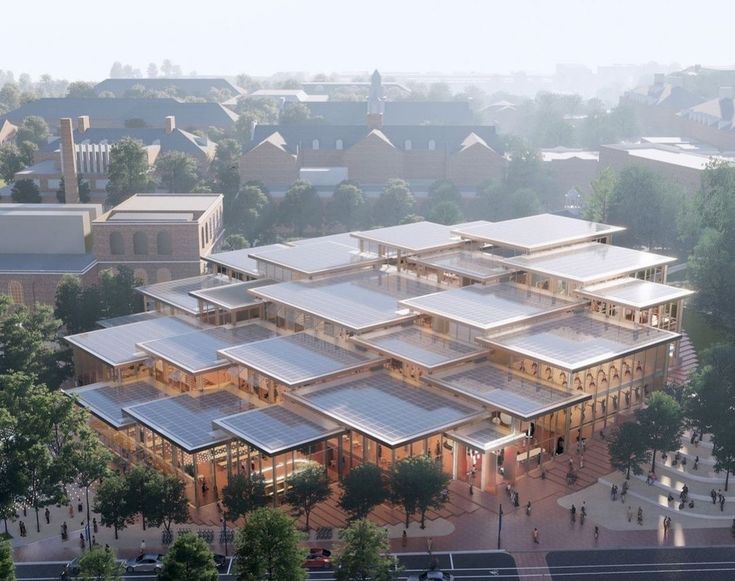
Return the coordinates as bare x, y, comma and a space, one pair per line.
500, 523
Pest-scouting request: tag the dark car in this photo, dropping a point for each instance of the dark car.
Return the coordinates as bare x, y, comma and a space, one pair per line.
220, 561
318, 559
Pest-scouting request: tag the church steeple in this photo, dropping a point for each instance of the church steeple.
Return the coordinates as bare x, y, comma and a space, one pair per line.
376, 102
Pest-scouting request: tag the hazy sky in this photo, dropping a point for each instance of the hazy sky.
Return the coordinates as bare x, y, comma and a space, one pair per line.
262, 37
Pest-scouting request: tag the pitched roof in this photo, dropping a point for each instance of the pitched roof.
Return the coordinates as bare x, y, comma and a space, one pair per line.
189, 87
396, 112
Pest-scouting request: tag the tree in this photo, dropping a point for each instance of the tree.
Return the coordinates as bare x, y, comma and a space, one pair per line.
152, 70
84, 190
176, 172
444, 191
267, 547
445, 213
127, 171
7, 567
111, 503
248, 211
225, 169
189, 557
9, 97
307, 488
167, 500
596, 206
243, 494
140, 485
33, 129
12, 161
293, 114
524, 202
25, 192
491, 202
301, 208
11, 455
89, 460
348, 205
417, 484
395, 203
235, 242
80, 90
99, 564
627, 448
661, 422
118, 292
363, 554
363, 489
42, 482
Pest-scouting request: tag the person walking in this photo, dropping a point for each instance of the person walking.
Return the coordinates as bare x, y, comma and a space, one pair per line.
583, 512
64, 531
528, 508
94, 524
640, 516
142, 546
596, 534
713, 494
722, 503
573, 513
630, 514
534, 535
81, 541
581, 461
404, 538
47, 514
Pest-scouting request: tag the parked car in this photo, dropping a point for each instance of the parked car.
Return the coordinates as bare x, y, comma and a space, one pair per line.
220, 561
318, 559
432, 576
145, 562
71, 569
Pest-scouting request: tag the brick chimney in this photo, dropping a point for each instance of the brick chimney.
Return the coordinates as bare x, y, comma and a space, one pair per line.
170, 124
83, 123
69, 161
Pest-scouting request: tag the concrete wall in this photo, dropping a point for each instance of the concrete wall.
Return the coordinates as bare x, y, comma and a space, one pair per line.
28, 232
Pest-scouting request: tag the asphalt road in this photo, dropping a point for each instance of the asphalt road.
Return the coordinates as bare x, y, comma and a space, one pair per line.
469, 566
683, 564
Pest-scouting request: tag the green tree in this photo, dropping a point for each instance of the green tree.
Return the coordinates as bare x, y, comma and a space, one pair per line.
11, 455
248, 212
111, 503
267, 547
90, 460
167, 500
176, 172
117, 290
293, 114
7, 567
363, 554
80, 90
363, 489
84, 190
243, 494
491, 202
524, 202
12, 161
33, 129
225, 169
417, 484
307, 488
661, 422
597, 205
301, 208
444, 191
235, 242
40, 473
128, 171
395, 203
140, 484
99, 564
627, 448
189, 557
9, 97
25, 192
348, 206
445, 213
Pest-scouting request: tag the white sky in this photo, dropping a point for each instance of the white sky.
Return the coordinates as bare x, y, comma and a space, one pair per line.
265, 36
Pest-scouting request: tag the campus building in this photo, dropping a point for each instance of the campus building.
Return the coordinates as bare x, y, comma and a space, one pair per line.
488, 346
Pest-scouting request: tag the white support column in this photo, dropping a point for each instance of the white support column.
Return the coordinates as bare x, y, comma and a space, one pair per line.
486, 469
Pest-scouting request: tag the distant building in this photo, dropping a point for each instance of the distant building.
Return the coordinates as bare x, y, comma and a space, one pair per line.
180, 87
572, 169
712, 121
7, 131
287, 96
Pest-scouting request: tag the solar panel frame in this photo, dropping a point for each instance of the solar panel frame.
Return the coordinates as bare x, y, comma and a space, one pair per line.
413, 238
475, 265
317, 258
222, 296
635, 292
176, 293
484, 436
238, 260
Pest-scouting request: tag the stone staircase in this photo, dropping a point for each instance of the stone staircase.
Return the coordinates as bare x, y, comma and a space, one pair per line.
596, 464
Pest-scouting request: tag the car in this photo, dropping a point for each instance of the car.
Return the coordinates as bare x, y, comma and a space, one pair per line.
433, 575
71, 569
318, 559
220, 561
145, 562
319, 552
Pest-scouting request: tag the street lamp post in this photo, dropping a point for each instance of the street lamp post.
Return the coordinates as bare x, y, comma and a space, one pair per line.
500, 523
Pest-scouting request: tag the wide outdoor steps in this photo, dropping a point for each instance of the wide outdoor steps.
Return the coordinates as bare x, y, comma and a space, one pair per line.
596, 464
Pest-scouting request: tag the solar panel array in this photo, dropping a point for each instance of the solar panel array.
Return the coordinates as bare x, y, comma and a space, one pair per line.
419, 346
482, 434
239, 260
298, 358
475, 265
387, 409
108, 401
276, 428
637, 293
316, 257
127, 319
176, 292
413, 237
187, 420
233, 296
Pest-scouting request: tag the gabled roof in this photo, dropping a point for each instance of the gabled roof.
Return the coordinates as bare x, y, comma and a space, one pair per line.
186, 87
719, 111
396, 112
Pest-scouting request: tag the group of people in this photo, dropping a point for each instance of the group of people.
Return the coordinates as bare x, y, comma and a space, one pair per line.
512, 495
614, 491
630, 515
718, 497
582, 513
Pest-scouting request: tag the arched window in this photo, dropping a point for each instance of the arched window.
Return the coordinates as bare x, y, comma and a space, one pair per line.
15, 292
141, 274
163, 275
163, 243
407, 145
117, 245
315, 144
140, 243
432, 145
339, 144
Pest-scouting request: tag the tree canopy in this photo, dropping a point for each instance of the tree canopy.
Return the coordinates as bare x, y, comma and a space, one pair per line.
176, 172
363, 554
243, 494
128, 171
661, 424
395, 203
301, 209
25, 192
628, 449
7, 567
189, 557
99, 564
307, 488
363, 489
348, 206
417, 484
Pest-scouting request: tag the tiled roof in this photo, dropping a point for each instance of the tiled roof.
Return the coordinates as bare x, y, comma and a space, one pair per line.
194, 87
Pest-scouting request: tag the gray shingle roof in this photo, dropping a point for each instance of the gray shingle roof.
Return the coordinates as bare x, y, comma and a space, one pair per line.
396, 112
192, 87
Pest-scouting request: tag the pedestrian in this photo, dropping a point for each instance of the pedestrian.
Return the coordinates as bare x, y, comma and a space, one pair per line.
516, 501
597, 533
612, 492
571, 464
94, 524
404, 538
534, 535
80, 506
142, 546
582, 512
81, 541
713, 494
696, 463
429, 544
581, 461
528, 508
47, 514
573, 513
667, 523
694, 437
722, 503
640, 516
22, 528
64, 531
630, 514
94, 541
71, 510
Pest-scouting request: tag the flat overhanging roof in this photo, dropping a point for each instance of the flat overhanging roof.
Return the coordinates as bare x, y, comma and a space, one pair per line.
342, 238
412, 238
231, 297
588, 263
301, 358
578, 341
187, 421
486, 307
534, 233
279, 428
476, 265
485, 436
239, 260
117, 346
635, 293
501, 389
106, 400
127, 319
386, 409
358, 301
176, 293
199, 352
419, 346
317, 258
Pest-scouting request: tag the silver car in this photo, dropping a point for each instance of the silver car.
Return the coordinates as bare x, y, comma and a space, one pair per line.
145, 562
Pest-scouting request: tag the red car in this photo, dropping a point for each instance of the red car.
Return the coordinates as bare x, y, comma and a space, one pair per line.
318, 559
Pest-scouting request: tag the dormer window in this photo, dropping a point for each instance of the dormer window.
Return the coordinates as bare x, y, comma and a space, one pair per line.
315, 144
407, 145
432, 145
339, 145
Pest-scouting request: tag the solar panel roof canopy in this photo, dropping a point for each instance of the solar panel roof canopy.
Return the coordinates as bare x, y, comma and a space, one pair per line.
186, 420
588, 263
342, 238
485, 436
107, 400
485, 307
118, 346
419, 346
635, 293
232, 296
357, 301
534, 233
474, 265
300, 358
317, 258
199, 352
279, 428
239, 260
126, 319
176, 292
578, 341
500, 388
386, 409
412, 238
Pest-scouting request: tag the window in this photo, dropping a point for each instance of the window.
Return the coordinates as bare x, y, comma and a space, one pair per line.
15, 291
407, 145
163, 243
141, 275
339, 144
432, 145
117, 245
163, 275
315, 144
140, 243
